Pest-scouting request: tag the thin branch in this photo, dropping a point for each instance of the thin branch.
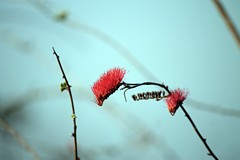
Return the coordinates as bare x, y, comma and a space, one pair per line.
198, 133
74, 134
10, 130
228, 21
128, 86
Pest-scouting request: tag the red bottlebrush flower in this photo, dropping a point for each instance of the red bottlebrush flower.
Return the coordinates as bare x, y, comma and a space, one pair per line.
175, 99
107, 84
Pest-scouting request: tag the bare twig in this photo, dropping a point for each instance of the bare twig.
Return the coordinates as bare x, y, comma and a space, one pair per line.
227, 20
74, 134
10, 130
204, 140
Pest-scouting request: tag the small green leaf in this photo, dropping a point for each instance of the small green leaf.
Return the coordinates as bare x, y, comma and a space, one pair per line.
63, 86
74, 116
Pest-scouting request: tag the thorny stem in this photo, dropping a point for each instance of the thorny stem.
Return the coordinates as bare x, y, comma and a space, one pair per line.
74, 134
198, 133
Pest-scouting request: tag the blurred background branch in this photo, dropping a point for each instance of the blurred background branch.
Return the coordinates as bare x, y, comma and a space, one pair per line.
11, 131
228, 21
214, 109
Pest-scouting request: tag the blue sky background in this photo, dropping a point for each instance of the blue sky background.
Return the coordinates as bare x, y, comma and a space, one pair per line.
184, 44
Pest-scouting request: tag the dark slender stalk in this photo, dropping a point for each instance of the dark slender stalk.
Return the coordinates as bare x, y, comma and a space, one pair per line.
198, 133
74, 134
227, 20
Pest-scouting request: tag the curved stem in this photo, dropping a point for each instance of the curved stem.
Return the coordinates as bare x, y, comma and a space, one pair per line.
74, 134
198, 133
128, 86
134, 85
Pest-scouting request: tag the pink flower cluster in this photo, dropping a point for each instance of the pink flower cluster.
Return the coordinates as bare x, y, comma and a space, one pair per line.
107, 84
175, 99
